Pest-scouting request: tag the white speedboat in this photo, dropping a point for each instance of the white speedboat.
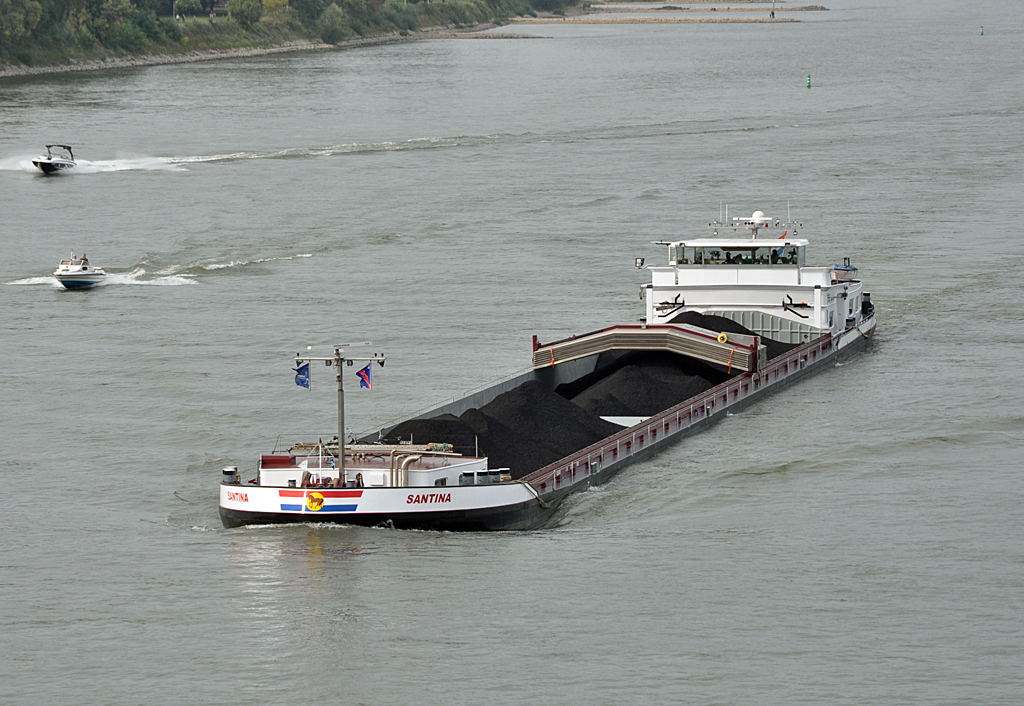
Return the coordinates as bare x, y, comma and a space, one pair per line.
58, 158
745, 315
76, 272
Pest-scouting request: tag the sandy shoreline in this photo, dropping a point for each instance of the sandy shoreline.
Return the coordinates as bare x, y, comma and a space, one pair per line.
645, 20
688, 7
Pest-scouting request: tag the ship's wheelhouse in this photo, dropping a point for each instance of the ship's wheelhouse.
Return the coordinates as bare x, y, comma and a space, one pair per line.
746, 252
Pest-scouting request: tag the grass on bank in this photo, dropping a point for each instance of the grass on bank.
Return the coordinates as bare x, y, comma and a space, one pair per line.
247, 23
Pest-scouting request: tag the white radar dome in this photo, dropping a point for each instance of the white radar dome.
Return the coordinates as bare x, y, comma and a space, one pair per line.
758, 216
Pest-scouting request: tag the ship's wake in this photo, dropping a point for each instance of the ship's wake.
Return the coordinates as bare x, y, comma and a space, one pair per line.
135, 276
23, 163
149, 271
213, 264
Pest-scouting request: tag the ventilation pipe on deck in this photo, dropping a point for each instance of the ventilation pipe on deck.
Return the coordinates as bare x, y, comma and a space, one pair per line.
408, 461
391, 471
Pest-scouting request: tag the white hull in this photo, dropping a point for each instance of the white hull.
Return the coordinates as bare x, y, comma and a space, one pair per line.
76, 272
499, 506
81, 280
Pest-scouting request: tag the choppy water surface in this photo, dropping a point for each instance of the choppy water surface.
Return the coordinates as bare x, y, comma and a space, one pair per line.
855, 539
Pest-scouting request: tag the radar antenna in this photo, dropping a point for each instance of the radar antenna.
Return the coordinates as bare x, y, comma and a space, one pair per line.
755, 222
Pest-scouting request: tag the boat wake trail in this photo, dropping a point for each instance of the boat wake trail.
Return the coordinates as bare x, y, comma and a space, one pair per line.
150, 273
135, 276
51, 281
213, 264
614, 132
352, 148
143, 164
138, 276
23, 163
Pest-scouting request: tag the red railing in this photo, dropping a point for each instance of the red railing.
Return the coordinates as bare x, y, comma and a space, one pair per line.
566, 473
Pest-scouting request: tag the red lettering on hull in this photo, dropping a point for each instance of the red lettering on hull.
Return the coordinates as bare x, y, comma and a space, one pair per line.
429, 498
238, 497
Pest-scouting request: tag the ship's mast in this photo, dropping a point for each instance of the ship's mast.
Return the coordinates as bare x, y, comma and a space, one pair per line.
338, 360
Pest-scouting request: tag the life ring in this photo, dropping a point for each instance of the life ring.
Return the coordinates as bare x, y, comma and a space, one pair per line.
722, 338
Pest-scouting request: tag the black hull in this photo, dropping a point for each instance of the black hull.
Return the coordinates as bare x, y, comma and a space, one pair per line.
49, 168
524, 516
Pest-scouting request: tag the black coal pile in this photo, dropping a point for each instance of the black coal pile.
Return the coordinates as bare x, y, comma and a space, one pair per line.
641, 384
446, 428
538, 412
523, 429
506, 447
722, 324
531, 426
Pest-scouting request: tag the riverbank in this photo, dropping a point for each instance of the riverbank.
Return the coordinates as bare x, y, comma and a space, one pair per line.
68, 42
646, 20
476, 31
129, 62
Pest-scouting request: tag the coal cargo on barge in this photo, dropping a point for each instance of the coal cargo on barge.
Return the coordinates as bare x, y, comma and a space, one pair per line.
728, 321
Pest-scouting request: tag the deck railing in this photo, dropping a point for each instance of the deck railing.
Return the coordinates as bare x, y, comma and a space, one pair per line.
560, 477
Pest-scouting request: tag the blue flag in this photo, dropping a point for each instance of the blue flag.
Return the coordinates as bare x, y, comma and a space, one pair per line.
302, 375
364, 377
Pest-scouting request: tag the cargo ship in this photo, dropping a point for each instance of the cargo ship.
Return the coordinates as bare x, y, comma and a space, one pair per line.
728, 321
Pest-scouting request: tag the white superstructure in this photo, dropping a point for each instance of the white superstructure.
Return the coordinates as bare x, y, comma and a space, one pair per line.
762, 283
76, 272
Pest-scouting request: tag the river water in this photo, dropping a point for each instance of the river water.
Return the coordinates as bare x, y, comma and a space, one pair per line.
854, 539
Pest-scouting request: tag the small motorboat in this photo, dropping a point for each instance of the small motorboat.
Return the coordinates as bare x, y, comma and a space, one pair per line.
58, 158
76, 272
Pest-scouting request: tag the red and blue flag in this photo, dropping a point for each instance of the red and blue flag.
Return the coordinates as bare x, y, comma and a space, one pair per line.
364, 377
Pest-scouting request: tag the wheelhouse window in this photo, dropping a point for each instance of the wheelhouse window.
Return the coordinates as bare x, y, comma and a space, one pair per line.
752, 255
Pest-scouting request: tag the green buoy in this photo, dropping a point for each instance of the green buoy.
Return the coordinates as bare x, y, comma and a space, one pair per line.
808, 80
983, 30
